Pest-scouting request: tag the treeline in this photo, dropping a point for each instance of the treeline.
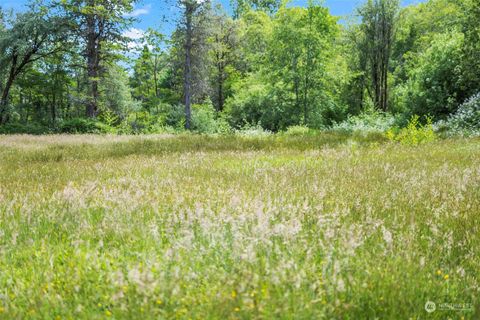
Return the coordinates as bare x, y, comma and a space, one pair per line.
68, 66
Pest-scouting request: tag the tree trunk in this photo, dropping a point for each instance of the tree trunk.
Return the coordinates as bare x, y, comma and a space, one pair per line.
92, 68
188, 64
53, 108
221, 78
155, 77
5, 95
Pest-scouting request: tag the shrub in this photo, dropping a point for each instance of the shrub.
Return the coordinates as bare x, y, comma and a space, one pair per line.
24, 128
203, 118
465, 121
255, 102
206, 120
298, 131
414, 133
366, 122
252, 131
142, 122
83, 125
174, 115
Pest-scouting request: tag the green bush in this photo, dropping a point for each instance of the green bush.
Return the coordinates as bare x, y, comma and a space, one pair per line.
83, 125
465, 121
251, 131
257, 103
24, 128
138, 122
414, 133
298, 131
144, 122
366, 122
434, 78
205, 119
174, 115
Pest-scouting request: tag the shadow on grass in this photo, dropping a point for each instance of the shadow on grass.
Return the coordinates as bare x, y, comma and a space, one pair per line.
138, 145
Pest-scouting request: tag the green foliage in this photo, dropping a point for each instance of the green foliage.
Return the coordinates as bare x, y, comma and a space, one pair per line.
433, 86
252, 131
470, 63
374, 46
116, 94
205, 119
255, 102
84, 125
465, 121
163, 118
109, 118
288, 66
298, 131
24, 128
142, 122
414, 133
372, 121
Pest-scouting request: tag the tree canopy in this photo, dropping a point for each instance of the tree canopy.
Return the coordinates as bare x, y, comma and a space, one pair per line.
268, 64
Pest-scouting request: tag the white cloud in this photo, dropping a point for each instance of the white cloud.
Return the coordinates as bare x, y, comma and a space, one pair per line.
140, 11
134, 35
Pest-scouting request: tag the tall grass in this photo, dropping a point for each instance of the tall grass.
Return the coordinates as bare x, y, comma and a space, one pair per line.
200, 227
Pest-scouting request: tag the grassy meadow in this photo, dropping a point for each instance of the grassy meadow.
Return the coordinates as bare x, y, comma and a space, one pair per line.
327, 226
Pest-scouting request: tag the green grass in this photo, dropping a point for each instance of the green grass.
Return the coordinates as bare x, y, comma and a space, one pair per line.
195, 227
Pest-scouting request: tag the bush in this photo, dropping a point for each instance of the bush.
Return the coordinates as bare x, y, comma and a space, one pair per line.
366, 122
144, 122
138, 122
434, 85
174, 115
465, 121
24, 128
414, 133
256, 102
298, 131
83, 125
203, 118
252, 131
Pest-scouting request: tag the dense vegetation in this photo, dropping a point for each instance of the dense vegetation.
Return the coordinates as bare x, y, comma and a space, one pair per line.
278, 163
282, 226
67, 66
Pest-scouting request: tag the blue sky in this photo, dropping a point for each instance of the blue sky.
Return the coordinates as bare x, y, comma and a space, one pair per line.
150, 13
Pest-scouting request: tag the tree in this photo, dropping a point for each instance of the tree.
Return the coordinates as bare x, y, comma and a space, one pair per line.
471, 47
300, 45
427, 62
378, 28
29, 37
223, 42
240, 7
149, 69
117, 96
191, 34
99, 25
288, 57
